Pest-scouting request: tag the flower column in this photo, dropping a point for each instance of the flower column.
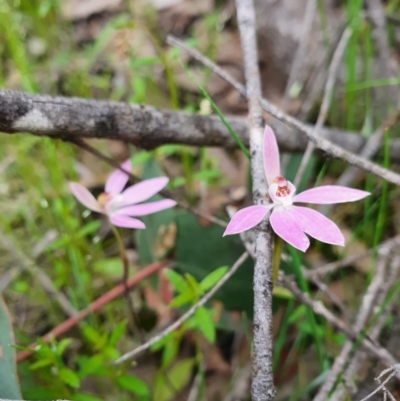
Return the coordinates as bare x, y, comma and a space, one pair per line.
262, 388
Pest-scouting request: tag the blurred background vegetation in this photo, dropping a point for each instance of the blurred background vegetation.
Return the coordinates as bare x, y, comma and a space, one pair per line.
115, 50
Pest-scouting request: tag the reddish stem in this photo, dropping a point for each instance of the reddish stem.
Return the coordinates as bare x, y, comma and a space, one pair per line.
94, 306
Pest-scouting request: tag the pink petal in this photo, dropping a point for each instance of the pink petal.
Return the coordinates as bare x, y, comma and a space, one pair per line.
118, 179
288, 228
143, 190
126, 221
271, 155
247, 218
146, 208
85, 197
330, 194
317, 225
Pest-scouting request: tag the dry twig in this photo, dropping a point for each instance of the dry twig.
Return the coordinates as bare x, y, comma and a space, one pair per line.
323, 112
360, 356
319, 308
359, 325
321, 143
334, 266
131, 354
309, 14
30, 266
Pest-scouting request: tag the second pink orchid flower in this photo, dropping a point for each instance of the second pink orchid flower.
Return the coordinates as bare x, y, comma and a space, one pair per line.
291, 222
122, 206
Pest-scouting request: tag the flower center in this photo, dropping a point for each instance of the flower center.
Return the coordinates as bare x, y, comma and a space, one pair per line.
283, 188
103, 199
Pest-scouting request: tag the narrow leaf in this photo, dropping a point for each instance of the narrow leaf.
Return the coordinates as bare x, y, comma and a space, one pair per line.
205, 323
177, 281
211, 279
133, 384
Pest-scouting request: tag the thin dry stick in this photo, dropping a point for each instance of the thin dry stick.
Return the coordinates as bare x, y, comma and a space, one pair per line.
321, 286
360, 322
29, 265
321, 143
37, 250
185, 316
134, 178
309, 14
360, 356
323, 112
241, 381
368, 151
319, 308
376, 14
262, 386
394, 369
334, 266
370, 148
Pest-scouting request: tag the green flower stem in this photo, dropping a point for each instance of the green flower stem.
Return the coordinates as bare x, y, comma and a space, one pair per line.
132, 318
276, 257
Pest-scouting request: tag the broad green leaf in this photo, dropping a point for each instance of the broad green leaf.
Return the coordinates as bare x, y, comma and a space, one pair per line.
205, 323
211, 279
177, 378
9, 384
69, 377
178, 281
133, 384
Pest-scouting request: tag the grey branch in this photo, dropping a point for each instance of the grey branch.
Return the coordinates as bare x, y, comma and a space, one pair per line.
262, 386
144, 126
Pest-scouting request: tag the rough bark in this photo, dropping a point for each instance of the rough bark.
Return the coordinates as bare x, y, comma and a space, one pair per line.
144, 126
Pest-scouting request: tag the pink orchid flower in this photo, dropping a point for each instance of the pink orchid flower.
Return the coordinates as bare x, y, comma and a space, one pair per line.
291, 222
120, 205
